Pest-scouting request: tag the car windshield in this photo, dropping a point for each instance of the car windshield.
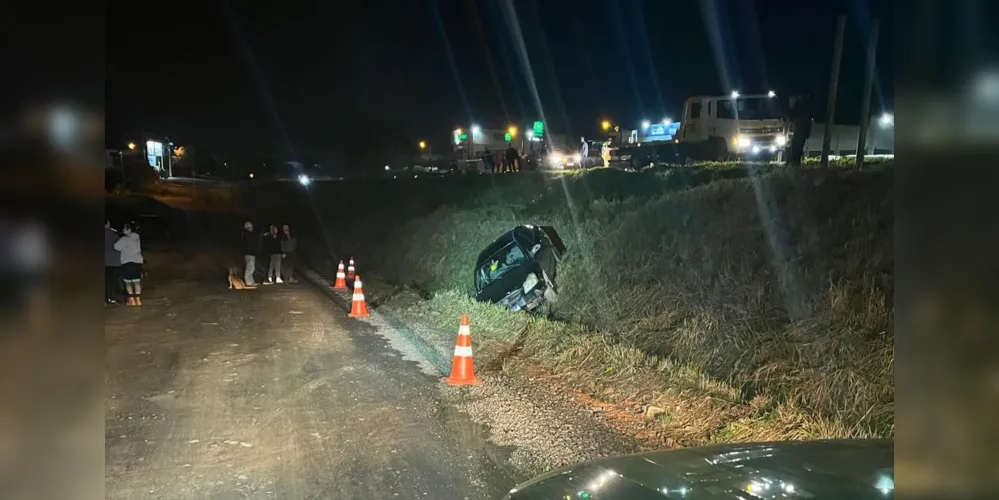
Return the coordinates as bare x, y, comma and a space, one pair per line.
749, 108
500, 263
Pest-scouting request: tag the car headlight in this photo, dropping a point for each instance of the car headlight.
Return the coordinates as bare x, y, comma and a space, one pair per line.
555, 159
780, 141
742, 141
530, 282
577, 158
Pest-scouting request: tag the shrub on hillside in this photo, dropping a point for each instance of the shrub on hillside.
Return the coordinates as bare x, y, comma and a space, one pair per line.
777, 284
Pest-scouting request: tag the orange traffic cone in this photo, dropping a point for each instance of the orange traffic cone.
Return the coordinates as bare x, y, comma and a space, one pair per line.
350, 269
463, 366
341, 281
358, 309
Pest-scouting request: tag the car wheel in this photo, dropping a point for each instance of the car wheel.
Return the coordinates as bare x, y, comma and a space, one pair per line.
546, 309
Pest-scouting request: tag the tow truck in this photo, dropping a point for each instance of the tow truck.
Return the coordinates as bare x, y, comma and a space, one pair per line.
732, 126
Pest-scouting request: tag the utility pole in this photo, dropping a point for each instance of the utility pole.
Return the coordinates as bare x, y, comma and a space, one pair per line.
169, 156
833, 86
865, 107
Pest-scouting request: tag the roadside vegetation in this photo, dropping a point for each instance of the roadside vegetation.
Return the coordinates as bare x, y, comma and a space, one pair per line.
745, 302
769, 295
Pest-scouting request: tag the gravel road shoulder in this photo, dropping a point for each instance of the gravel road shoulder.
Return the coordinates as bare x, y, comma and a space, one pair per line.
546, 425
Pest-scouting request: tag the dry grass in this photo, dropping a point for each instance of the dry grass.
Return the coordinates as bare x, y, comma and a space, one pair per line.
750, 306
776, 287
699, 409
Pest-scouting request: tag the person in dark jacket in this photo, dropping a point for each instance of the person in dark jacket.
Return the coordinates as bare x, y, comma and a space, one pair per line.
112, 264
272, 248
512, 157
249, 244
289, 245
801, 127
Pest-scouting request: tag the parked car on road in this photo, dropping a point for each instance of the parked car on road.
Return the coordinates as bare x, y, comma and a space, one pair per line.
562, 159
517, 270
638, 157
846, 468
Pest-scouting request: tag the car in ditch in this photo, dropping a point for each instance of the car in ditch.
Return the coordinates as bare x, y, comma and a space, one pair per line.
844, 468
518, 269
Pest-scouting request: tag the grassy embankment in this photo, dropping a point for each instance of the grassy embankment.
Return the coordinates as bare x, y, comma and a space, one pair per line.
748, 308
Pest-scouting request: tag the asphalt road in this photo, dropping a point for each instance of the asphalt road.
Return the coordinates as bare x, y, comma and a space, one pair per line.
274, 393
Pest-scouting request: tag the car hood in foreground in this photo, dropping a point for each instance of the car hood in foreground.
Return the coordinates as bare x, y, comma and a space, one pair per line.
855, 469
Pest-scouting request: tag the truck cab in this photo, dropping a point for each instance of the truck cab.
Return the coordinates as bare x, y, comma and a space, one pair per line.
718, 127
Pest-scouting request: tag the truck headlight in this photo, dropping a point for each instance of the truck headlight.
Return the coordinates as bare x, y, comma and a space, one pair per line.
530, 282
780, 141
742, 142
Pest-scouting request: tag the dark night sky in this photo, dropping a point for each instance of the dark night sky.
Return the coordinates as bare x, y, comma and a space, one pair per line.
319, 80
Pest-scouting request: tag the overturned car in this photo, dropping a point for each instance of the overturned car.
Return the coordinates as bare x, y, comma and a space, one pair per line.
517, 270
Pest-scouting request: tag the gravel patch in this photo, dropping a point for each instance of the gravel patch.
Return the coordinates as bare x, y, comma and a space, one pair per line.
548, 430
388, 327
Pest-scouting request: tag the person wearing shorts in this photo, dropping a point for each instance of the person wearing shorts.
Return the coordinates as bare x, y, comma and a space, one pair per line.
130, 250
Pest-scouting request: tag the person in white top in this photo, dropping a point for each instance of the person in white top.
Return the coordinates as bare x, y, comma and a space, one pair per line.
130, 249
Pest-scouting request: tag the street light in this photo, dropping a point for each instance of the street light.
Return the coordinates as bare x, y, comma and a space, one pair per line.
735, 94
512, 131
476, 130
423, 145
251, 175
887, 119
667, 121
605, 125
771, 94
646, 124
131, 146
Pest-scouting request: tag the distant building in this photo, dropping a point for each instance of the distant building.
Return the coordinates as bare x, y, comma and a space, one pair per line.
471, 143
115, 158
157, 155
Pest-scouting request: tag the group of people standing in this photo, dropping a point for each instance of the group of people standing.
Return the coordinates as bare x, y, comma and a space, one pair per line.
502, 161
122, 265
279, 246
